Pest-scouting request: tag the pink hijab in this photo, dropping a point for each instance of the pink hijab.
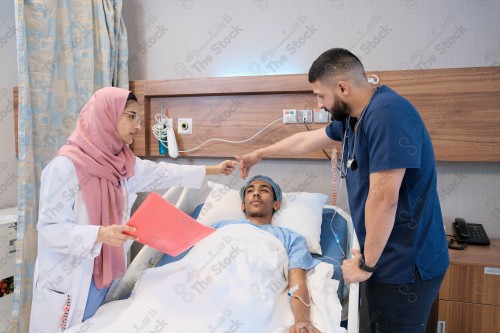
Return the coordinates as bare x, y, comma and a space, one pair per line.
101, 160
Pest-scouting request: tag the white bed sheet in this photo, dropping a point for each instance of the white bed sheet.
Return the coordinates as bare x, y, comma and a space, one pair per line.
232, 281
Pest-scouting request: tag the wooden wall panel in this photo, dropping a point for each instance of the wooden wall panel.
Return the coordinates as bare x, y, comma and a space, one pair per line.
235, 118
460, 107
229, 85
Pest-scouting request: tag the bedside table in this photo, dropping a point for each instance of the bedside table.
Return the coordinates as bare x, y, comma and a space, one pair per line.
469, 298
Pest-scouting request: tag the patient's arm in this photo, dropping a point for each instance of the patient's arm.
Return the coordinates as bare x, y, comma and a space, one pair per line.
300, 301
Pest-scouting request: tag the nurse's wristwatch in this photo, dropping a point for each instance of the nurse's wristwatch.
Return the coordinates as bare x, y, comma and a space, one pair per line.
365, 267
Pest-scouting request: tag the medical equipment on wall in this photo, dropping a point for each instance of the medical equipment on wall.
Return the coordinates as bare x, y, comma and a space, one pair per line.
163, 130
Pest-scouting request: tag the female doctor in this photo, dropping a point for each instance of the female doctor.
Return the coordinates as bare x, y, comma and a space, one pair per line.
86, 195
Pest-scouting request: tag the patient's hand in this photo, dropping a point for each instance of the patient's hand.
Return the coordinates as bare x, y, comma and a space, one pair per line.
113, 235
303, 328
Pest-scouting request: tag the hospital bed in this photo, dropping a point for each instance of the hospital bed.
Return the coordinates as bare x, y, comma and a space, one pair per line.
337, 238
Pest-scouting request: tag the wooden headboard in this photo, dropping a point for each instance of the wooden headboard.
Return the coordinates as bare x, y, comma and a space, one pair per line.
460, 107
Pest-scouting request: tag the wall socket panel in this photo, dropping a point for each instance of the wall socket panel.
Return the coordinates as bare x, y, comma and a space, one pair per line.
185, 125
321, 116
304, 116
290, 116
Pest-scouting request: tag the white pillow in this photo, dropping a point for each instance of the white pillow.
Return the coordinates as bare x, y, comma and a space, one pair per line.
300, 212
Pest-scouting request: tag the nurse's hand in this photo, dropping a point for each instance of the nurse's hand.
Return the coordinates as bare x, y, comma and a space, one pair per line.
226, 168
351, 271
247, 161
113, 235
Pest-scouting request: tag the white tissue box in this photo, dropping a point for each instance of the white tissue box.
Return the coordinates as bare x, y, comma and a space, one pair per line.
8, 236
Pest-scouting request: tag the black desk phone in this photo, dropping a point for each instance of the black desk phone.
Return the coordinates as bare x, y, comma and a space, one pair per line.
469, 233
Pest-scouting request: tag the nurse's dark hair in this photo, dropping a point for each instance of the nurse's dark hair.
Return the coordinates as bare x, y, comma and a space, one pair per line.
131, 97
335, 65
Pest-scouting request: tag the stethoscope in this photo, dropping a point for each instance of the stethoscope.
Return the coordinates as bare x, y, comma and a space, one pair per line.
352, 163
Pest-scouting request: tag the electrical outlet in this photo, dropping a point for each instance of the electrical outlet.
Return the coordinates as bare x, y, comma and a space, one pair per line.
321, 116
304, 116
185, 126
290, 116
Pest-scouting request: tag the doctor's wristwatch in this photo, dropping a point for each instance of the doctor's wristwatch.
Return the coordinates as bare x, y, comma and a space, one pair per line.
365, 267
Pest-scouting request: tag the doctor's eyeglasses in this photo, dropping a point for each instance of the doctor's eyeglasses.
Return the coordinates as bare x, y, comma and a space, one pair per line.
134, 117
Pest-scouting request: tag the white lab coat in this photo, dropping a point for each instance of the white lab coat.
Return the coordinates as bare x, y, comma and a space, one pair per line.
66, 240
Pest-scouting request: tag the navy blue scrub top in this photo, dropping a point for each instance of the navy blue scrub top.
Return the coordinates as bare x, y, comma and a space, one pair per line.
392, 135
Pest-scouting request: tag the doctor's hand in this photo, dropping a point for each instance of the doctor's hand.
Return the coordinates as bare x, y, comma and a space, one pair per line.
303, 327
226, 168
247, 161
113, 235
351, 271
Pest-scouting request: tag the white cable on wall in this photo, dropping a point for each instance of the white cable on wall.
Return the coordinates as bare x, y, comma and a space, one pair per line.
161, 119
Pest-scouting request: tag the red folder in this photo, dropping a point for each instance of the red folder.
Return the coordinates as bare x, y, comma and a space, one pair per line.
164, 227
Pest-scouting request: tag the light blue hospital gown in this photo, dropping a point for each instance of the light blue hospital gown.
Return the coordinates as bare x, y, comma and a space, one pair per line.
295, 245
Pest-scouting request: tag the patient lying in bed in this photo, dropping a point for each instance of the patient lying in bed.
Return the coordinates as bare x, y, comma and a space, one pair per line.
261, 197
235, 280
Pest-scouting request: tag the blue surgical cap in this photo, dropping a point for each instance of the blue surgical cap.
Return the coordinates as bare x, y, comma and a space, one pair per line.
276, 187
